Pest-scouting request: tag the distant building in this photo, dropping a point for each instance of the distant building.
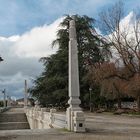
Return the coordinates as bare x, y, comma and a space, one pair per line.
20, 102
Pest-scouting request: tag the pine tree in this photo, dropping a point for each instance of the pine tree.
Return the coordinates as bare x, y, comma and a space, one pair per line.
52, 86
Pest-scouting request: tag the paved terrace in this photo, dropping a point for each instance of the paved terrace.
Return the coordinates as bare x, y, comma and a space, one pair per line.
99, 127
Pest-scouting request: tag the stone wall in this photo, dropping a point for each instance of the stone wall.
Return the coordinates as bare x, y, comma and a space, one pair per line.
39, 118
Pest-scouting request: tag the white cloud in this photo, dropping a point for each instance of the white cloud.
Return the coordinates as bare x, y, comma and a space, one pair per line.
14, 38
98, 31
21, 55
127, 32
37, 42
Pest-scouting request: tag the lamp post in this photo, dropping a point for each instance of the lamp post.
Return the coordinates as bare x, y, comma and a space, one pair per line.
3, 91
90, 93
1, 59
4, 97
26, 95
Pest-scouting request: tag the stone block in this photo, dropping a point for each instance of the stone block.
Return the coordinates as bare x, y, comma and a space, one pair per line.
79, 121
52, 110
43, 109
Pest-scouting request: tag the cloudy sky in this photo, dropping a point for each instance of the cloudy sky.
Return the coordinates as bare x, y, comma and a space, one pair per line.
27, 28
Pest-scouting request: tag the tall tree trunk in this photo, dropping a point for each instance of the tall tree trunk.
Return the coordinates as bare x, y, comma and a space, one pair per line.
138, 103
119, 103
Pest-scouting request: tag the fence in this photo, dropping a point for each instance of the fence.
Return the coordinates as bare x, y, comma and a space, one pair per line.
39, 118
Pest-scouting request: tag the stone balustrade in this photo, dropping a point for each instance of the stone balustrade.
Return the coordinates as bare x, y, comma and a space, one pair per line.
39, 118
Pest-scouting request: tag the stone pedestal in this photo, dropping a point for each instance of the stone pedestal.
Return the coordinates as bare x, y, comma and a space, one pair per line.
74, 121
79, 121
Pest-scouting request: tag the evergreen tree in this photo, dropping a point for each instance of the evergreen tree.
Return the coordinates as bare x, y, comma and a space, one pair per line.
52, 86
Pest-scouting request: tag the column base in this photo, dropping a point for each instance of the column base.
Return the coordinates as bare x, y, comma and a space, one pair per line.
75, 119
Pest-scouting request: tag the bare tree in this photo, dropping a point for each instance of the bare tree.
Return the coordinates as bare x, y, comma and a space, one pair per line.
124, 38
110, 80
125, 44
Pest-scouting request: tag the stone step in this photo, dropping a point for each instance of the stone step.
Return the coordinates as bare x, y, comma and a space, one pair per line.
14, 119
14, 125
18, 117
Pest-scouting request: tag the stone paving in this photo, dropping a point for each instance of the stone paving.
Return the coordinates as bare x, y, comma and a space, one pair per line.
113, 124
55, 134
99, 127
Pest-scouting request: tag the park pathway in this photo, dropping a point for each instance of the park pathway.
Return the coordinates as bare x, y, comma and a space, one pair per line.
13, 119
99, 127
104, 123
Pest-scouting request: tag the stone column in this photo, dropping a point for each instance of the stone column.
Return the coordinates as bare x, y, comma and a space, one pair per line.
8, 101
74, 92
25, 95
4, 98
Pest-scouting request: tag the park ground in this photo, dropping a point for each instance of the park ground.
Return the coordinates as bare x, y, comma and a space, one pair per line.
99, 127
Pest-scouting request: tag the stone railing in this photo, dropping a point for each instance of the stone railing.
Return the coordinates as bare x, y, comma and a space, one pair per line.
39, 118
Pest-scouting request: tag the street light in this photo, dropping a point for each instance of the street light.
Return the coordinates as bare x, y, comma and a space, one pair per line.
90, 93
4, 97
25, 94
1, 59
4, 94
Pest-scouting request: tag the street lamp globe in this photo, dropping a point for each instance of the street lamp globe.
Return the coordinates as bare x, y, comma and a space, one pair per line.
1, 59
